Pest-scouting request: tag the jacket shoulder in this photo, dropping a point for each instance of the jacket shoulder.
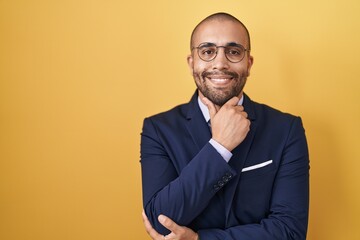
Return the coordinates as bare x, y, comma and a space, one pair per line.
170, 117
272, 114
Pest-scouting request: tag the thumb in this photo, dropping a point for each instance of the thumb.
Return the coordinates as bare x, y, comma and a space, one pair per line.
168, 223
210, 105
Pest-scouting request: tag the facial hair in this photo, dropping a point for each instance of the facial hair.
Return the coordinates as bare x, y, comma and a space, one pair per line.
220, 96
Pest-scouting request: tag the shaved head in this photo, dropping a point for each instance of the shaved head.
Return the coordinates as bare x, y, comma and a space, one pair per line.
221, 16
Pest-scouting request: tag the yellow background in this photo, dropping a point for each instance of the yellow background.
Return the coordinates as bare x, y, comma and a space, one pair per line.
77, 77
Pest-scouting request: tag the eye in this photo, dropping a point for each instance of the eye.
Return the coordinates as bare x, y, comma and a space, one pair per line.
234, 51
207, 51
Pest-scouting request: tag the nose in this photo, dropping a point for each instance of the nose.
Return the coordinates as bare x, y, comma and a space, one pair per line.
220, 61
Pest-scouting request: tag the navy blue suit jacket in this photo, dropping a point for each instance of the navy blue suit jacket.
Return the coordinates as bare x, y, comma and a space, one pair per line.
186, 179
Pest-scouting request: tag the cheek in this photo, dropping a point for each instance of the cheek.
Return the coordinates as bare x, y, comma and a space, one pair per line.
200, 66
243, 70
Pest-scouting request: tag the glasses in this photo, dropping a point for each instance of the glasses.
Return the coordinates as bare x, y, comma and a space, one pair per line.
234, 52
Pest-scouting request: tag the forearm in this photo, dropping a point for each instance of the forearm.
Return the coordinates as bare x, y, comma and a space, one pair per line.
185, 197
268, 229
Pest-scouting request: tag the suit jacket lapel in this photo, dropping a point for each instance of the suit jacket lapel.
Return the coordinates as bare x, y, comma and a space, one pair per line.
237, 162
197, 126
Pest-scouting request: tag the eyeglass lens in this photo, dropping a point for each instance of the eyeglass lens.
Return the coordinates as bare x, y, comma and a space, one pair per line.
232, 53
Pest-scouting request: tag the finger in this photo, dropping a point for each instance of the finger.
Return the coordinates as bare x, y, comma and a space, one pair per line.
144, 217
240, 110
143, 214
169, 224
233, 101
147, 224
210, 105
149, 229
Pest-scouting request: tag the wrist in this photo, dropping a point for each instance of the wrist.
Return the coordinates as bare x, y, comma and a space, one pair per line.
224, 152
223, 143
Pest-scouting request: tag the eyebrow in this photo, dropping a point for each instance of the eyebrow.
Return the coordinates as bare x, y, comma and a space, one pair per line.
233, 44
209, 44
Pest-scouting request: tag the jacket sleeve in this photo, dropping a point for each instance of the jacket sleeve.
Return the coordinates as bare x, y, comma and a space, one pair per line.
288, 217
182, 197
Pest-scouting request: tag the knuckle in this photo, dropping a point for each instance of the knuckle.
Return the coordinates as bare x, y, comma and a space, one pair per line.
232, 110
181, 231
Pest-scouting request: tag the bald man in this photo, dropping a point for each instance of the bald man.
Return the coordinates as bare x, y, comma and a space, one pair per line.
223, 166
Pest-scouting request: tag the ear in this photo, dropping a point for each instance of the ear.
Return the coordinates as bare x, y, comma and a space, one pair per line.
250, 61
190, 62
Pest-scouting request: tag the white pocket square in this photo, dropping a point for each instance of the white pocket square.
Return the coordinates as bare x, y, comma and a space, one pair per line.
260, 165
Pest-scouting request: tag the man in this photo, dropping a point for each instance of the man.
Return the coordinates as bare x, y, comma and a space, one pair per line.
223, 166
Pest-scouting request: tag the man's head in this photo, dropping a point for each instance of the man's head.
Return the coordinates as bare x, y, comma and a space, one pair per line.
220, 73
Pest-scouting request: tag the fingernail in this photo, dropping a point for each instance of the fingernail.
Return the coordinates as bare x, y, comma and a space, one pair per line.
161, 218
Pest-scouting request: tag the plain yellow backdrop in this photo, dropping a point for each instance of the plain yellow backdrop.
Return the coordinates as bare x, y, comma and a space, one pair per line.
77, 77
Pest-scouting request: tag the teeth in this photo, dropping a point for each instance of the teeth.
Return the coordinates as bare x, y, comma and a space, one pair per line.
220, 79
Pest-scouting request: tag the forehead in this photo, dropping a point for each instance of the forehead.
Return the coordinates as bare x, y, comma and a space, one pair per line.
220, 32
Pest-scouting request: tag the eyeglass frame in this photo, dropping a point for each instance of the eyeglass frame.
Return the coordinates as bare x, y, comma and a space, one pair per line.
232, 44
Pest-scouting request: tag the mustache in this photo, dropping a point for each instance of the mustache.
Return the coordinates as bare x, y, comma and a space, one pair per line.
215, 73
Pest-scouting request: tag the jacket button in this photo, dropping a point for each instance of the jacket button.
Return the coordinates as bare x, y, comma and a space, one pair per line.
229, 175
221, 183
216, 187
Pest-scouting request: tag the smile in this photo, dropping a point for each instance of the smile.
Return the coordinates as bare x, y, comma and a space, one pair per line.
220, 80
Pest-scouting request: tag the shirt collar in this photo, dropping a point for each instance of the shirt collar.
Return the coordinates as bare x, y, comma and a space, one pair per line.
205, 110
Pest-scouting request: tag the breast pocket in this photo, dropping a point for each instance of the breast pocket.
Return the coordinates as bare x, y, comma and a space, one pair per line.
258, 169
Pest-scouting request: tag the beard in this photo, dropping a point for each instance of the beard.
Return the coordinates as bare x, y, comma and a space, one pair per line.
219, 96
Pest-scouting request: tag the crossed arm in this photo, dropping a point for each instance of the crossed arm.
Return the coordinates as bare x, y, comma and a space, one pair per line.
188, 198
190, 191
